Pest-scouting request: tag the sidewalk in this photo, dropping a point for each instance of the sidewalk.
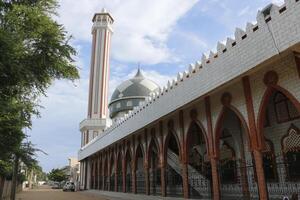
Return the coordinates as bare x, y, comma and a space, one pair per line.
126, 196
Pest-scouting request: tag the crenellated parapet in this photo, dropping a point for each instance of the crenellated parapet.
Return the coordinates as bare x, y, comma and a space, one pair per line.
277, 30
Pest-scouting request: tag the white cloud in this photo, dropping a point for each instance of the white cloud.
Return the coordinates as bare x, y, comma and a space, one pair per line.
245, 11
141, 27
57, 132
278, 2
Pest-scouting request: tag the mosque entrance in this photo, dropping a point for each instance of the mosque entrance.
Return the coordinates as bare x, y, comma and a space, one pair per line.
236, 168
281, 155
128, 183
140, 175
199, 169
154, 170
174, 186
119, 174
112, 176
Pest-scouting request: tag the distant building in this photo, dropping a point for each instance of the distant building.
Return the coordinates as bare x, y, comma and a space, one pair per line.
228, 128
73, 170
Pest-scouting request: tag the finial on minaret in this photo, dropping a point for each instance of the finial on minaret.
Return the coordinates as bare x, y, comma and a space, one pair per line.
104, 10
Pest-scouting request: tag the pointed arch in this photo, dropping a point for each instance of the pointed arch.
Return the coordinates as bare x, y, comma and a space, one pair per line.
166, 143
263, 107
203, 134
218, 127
153, 143
128, 170
139, 147
119, 156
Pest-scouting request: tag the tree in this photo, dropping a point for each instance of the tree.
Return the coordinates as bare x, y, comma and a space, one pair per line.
27, 155
34, 51
57, 175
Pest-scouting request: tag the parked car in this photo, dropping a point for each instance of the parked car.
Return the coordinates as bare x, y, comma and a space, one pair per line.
55, 185
69, 186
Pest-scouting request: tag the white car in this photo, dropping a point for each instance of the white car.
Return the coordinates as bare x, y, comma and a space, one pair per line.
69, 186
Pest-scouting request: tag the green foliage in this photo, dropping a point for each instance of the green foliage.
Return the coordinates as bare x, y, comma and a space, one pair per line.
34, 51
5, 168
57, 175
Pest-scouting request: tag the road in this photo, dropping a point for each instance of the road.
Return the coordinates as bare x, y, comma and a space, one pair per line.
46, 193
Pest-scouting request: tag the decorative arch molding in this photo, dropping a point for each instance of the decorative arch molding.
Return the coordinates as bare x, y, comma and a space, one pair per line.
218, 128
263, 106
291, 140
269, 147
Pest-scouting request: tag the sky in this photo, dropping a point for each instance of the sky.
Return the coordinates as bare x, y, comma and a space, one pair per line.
164, 36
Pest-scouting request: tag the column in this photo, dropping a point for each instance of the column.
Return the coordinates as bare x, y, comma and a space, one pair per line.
262, 187
94, 173
133, 177
124, 174
163, 180
147, 183
254, 137
185, 180
213, 159
215, 179
99, 173
162, 161
116, 176
103, 173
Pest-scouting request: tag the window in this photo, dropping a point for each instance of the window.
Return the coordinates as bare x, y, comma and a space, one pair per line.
284, 108
118, 105
129, 103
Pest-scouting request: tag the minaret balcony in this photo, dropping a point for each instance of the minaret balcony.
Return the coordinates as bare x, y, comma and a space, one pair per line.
92, 124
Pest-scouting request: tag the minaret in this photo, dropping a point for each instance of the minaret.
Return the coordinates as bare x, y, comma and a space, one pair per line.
99, 74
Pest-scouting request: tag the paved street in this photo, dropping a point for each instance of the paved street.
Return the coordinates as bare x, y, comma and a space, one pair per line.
46, 193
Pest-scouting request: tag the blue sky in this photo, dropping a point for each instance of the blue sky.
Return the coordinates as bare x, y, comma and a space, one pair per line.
163, 35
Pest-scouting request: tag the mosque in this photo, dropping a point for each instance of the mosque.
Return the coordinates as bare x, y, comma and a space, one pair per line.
226, 128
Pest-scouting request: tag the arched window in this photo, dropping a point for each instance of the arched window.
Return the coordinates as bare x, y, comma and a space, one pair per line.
291, 150
269, 162
284, 108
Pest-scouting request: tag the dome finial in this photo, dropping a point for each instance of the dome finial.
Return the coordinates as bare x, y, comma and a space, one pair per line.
139, 73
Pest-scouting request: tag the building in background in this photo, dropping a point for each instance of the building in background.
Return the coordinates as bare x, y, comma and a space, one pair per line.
73, 170
227, 128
